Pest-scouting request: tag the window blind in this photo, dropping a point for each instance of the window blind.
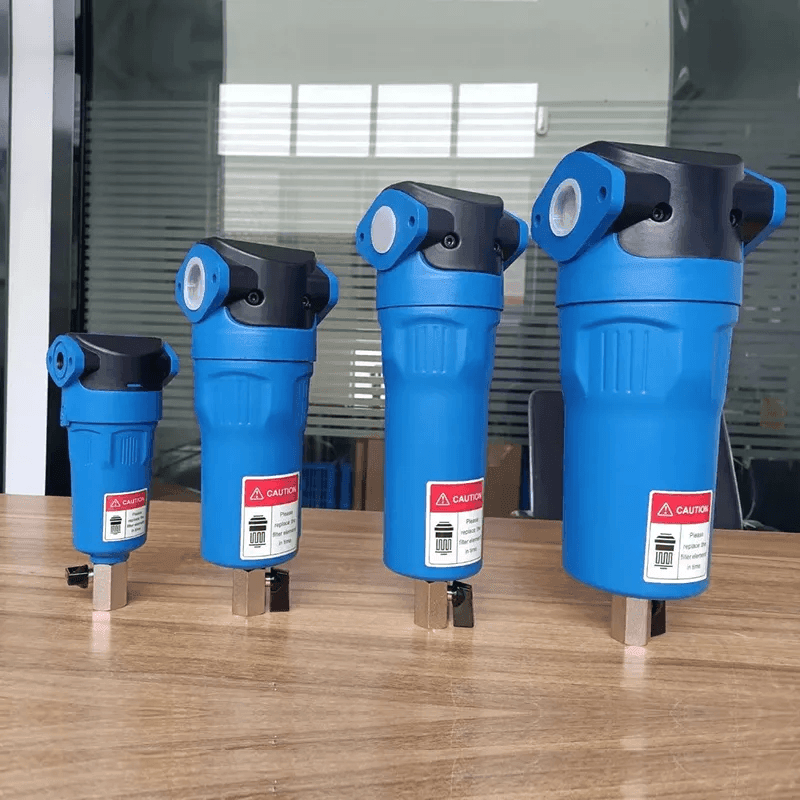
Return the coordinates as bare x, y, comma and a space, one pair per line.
317, 202
764, 379
156, 182
152, 175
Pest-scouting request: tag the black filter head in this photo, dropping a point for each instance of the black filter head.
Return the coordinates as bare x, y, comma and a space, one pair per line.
273, 286
124, 363
686, 203
466, 230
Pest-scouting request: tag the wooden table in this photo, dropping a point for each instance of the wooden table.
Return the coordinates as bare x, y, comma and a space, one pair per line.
343, 697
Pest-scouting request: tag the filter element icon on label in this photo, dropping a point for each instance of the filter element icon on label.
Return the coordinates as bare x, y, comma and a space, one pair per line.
258, 529
664, 550
444, 537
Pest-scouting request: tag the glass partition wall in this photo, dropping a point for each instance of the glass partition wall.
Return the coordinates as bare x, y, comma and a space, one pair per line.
735, 88
280, 122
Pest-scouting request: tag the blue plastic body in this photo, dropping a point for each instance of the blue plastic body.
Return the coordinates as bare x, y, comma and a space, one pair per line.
645, 346
437, 368
345, 485
251, 388
319, 485
438, 342
644, 385
327, 485
778, 212
110, 436
252, 416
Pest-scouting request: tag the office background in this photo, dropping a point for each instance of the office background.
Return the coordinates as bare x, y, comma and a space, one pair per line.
164, 121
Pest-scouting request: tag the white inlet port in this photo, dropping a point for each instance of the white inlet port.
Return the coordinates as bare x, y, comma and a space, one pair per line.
194, 284
565, 207
383, 229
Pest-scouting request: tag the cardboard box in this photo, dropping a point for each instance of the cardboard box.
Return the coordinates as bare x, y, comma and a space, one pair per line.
503, 475
169, 491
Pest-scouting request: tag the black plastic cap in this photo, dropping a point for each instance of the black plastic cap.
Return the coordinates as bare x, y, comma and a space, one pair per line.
123, 363
658, 618
686, 203
78, 576
466, 230
461, 598
272, 286
278, 590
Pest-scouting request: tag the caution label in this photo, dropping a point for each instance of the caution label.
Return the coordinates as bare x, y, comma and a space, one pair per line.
124, 515
270, 516
454, 523
678, 537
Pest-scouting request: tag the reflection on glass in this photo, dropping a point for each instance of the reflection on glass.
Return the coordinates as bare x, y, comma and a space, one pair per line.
496, 120
333, 120
368, 368
414, 120
251, 200
255, 119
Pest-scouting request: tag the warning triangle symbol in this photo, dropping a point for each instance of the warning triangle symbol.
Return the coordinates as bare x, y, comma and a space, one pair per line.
665, 511
442, 501
256, 494
116, 504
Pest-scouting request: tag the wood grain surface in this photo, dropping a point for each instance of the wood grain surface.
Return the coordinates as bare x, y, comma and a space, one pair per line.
173, 697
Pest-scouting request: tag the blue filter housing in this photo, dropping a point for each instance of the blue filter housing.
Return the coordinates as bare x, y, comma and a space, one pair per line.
650, 243
254, 311
110, 405
440, 255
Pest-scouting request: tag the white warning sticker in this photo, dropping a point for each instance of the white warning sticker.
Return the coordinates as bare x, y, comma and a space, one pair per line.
678, 537
453, 523
270, 516
124, 515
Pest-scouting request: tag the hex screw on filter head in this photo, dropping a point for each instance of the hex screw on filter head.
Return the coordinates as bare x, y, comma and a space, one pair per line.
661, 213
